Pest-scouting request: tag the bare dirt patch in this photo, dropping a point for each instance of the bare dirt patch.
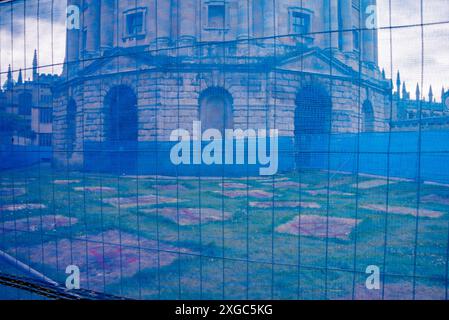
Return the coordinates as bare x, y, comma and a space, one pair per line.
35, 224
285, 185
404, 210
372, 184
130, 202
170, 187
105, 257
324, 192
284, 204
12, 192
433, 198
319, 226
188, 216
259, 194
233, 185
22, 206
94, 189
65, 182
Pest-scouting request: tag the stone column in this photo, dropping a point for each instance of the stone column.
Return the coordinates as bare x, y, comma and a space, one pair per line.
376, 46
346, 15
92, 22
187, 25
244, 25
73, 36
369, 35
375, 38
244, 19
334, 24
107, 24
268, 18
163, 23
257, 17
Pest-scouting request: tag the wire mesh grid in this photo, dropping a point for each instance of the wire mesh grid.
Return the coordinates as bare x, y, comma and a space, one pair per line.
94, 184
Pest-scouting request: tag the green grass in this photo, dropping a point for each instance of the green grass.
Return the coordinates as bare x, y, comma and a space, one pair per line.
257, 262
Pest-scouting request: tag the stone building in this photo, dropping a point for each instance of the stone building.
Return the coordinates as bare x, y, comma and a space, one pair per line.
32, 100
419, 112
136, 70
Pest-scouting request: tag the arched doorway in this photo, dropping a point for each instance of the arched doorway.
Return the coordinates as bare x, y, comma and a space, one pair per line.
121, 129
121, 115
216, 111
367, 116
71, 126
313, 116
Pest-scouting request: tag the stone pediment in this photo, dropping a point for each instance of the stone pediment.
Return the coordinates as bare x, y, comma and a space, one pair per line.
315, 62
118, 62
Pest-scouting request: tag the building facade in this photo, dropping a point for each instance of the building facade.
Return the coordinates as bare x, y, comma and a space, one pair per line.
31, 100
419, 112
136, 70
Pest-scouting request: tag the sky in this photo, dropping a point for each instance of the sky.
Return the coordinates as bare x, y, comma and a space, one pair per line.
409, 47
35, 28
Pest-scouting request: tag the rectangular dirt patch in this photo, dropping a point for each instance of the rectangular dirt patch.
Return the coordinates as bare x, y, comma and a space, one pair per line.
285, 185
233, 185
65, 182
107, 257
188, 216
130, 202
433, 198
324, 192
35, 224
284, 204
372, 184
170, 187
22, 206
319, 226
94, 189
259, 194
404, 210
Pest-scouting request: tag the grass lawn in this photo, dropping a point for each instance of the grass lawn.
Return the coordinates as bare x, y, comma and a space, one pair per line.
307, 235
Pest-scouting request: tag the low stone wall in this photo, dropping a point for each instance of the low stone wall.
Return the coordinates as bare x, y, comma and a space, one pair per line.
12, 156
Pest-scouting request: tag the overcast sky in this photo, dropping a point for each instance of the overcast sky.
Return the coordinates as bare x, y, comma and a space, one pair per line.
409, 46
35, 27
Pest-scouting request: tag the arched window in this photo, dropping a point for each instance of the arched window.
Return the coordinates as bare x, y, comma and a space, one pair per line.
25, 103
71, 126
367, 117
121, 114
216, 109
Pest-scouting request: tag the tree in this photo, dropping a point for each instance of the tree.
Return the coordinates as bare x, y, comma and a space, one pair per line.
11, 124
